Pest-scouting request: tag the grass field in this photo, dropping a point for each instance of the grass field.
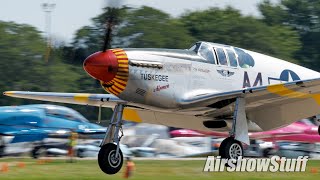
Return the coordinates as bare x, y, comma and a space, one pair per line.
145, 169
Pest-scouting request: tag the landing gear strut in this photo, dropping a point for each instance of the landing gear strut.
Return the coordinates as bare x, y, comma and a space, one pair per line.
110, 157
231, 147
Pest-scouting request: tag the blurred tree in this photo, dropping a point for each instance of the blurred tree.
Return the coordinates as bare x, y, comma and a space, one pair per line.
151, 28
304, 17
143, 27
90, 39
21, 58
228, 26
23, 65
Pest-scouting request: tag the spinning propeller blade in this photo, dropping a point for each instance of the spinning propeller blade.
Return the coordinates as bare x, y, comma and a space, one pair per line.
111, 20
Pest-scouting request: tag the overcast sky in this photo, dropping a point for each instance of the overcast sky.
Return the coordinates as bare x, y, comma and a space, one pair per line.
70, 15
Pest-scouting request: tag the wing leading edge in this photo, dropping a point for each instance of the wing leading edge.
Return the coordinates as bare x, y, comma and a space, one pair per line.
104, 100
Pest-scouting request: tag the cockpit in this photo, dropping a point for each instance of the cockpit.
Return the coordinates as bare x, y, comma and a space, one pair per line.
223, 55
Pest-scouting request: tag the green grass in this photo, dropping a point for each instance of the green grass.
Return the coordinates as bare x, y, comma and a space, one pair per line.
145, 169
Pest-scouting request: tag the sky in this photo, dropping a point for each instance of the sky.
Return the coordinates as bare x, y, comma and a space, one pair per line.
70, 15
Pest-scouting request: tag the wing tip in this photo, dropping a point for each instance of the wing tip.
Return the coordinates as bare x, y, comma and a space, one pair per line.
8, 93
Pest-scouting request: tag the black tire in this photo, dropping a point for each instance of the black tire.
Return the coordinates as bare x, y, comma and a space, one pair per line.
230, 148
319, 130
107, 161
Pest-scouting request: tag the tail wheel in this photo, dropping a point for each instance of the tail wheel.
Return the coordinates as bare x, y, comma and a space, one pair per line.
109, 163
230, 148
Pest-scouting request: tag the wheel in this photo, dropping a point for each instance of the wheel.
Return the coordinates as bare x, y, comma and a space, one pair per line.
108, 162
319, 130
230, 148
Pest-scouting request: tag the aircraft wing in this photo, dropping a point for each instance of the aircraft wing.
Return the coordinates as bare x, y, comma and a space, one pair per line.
268, 106
104, 100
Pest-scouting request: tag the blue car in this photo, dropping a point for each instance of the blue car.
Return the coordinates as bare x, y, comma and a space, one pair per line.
30, 127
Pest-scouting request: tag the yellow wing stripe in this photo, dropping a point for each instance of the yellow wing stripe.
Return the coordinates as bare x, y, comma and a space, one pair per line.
131, 115
8, 93
316, 97
81, 97
283, 91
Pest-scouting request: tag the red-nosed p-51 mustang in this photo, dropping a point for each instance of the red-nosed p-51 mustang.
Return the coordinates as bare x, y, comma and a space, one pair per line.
207, 87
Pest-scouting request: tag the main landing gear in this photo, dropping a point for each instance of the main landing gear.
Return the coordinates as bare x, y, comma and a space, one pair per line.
110, 157
231, 147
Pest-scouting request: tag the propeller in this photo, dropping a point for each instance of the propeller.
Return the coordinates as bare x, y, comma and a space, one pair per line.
111, 20
112, 12
112, 8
